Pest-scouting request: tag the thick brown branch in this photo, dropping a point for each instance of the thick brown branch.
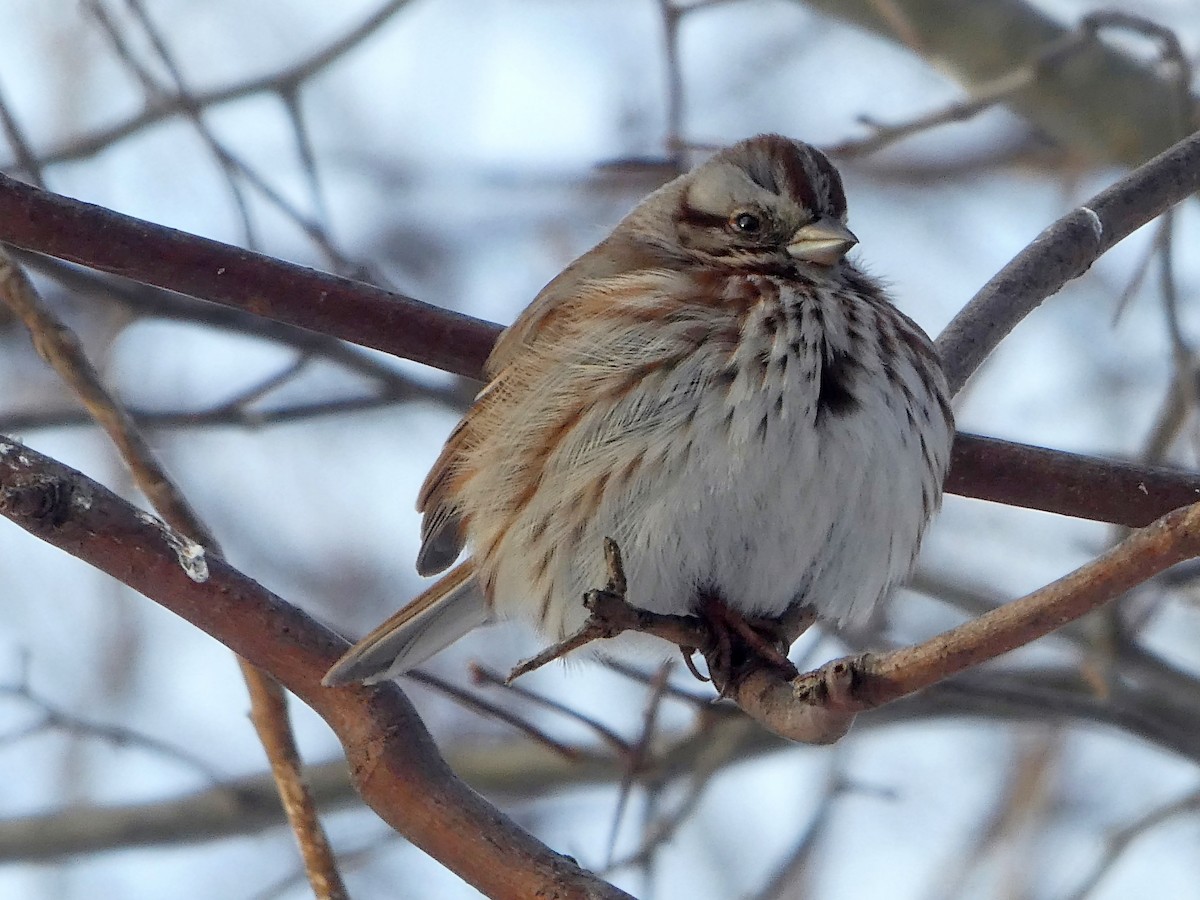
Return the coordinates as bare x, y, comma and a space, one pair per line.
1086, 487
164, 257
396, 766
59, 346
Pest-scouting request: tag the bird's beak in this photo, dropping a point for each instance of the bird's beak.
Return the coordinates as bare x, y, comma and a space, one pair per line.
823, 242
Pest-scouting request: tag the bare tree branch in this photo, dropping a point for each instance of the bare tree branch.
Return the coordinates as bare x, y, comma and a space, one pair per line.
60, 348
396, 766
1065, 251
164, 257
286, 82
879, 679
1071, 484
526, 768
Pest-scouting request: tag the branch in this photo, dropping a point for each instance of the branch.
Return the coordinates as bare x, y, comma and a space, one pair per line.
882, 678
108, 241
820, 706
1086, 487
1065, 251
527, 768
285, 83
59, 346
395, 764
753, 685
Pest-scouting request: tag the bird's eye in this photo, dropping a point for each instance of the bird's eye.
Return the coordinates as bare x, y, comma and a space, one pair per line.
746, 223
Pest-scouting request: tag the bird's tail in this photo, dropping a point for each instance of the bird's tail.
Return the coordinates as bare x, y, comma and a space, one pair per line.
434, 620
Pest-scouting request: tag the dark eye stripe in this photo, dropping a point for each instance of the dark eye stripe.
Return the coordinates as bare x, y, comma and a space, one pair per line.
701, 219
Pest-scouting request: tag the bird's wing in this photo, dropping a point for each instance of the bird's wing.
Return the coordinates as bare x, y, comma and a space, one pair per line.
442, 531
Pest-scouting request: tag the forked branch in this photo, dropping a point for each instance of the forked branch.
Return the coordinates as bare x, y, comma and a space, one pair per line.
396, 766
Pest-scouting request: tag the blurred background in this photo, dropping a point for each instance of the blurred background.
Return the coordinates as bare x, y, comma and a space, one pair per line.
463, 153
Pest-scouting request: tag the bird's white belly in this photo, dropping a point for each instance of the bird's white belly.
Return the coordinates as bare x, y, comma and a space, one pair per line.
831, 517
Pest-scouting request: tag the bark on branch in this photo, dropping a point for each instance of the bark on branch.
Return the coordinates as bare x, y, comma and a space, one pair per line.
395, 764
881, 678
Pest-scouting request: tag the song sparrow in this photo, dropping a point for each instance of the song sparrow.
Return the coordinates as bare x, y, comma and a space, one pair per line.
714, 387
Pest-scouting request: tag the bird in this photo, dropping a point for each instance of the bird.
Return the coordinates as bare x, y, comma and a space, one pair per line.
717, 388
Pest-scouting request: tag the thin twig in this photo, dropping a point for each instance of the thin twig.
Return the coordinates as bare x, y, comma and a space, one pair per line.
54, 717
1020, 801
674, 692
794, 869
146, 302
168, 107
639, 753
224, 414
1122, 840
671, 17
471, 701
611, 616
885, 135
124, 52
26, 158
482, 675
720, 747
